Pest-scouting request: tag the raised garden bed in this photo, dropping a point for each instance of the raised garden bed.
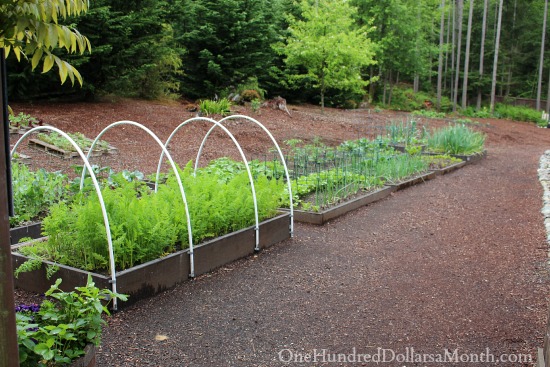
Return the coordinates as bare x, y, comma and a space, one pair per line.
67, 154
412, 181
158, 275
33, 230
87, 360
448, 169
343, 208
471, 158
468, 158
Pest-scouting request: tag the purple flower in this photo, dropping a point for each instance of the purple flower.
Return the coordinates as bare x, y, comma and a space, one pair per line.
28, 308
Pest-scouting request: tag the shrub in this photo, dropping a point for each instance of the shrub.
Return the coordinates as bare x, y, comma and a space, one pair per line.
57, 331
250, 95
519, 113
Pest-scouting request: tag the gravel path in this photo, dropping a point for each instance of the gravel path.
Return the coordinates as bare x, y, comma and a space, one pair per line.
458, 262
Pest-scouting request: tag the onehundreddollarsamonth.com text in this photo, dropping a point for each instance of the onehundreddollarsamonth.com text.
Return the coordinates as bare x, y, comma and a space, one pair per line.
409, 355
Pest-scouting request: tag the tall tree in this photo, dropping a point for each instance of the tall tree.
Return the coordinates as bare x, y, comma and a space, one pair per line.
328, 45
482, 52
467, 56
541, 60
495, 59
440, 65
460, 9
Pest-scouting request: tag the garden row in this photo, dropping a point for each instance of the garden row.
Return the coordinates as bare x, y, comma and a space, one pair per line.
148, 241
149, 223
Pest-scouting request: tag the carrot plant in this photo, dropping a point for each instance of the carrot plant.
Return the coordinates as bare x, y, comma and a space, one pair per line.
146, 225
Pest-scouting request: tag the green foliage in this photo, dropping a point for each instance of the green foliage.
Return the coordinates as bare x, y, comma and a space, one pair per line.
61, 142
440, 161
31, 29
221, 107
457, 139
406, 132
483, 113
255, 104
328, 46
57, 331
23, 120
429, 114
35, 192
147, 225
519, 113
405, 99
227, 43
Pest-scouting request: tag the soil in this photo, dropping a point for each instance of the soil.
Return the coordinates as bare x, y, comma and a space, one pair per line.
459, 262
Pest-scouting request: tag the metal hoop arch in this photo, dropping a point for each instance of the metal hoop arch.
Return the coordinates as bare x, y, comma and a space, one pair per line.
174, 168
97, 189
281, 156
250, 178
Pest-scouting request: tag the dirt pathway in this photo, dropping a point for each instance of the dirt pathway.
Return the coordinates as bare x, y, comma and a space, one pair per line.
458, 262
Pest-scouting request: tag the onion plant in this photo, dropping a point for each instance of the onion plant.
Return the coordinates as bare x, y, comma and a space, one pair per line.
456, 139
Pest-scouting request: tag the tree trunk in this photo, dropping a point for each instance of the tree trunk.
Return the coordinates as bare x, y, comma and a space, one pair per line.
440, 66
453, 49
8, 335
447, 51
391, 89
385, 89
541, 60
495, 61
482, 53
513, 50
458, 50
467, 56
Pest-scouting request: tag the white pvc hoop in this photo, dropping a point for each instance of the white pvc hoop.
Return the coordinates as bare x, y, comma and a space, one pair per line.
250, 178
174, 168
281, 156
98, 191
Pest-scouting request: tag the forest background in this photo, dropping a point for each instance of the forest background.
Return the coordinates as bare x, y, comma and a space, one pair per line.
450, 54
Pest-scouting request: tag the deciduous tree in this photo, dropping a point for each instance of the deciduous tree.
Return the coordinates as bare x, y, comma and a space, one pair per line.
329, 47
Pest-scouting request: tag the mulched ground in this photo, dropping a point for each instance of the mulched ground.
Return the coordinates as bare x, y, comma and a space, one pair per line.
457, 262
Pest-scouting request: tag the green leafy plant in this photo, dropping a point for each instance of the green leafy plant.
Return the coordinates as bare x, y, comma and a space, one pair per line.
440, 161
82, 141
456, 139
221, 107
428, 113
480, 113
35, 191
520, 113
146, 225
58, 331
23, 120
255, 104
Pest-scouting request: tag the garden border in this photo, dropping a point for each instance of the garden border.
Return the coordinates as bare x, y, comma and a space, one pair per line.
412, 181
33, 230
150, 278
324, 216
448, 169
